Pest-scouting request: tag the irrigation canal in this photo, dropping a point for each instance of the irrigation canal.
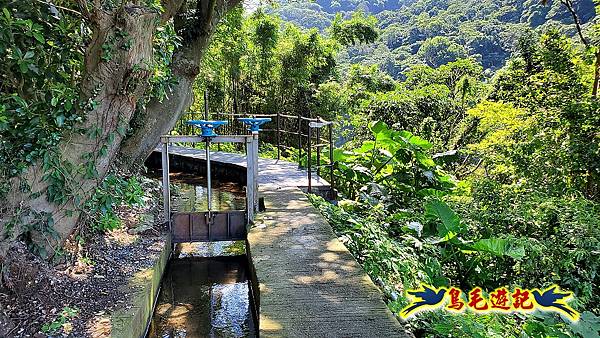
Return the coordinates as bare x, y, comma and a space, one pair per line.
296, 278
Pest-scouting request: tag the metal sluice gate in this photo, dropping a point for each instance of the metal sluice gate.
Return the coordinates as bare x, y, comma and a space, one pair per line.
199, 227
214, 226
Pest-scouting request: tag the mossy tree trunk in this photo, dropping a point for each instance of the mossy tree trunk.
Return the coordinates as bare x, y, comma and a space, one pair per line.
46, 202
160, 117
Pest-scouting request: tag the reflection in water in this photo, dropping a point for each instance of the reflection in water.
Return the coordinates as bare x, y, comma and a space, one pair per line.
211, 249
205, 291
231, 311
204, 297
192, 194
194, 198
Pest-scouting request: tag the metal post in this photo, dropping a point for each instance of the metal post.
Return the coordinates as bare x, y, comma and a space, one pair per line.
299, 139
249, 180
255, 167
166, 182
278, 136
309, 155
206, 104
331, 163
318, 151
208, 177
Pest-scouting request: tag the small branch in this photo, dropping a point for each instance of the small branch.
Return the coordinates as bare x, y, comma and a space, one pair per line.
61, 7
571, 9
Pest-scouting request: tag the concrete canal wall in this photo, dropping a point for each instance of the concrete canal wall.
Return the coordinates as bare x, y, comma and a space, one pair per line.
306, 283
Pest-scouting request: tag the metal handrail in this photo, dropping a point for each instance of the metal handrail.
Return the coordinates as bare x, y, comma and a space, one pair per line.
282, 133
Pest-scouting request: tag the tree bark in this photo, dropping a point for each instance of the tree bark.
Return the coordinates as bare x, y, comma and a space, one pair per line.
159, 118
115, 78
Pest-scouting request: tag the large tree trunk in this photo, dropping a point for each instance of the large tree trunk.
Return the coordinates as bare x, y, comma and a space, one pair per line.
160, 117
47, 201
114, 79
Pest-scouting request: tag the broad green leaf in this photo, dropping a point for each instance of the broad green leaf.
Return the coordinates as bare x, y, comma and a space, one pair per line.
405, 134
38, 36
517, 252
378, 127
425, 160
450, 223
366, 147
338, 154
420, 142
431, 192
499, 247
495, 246
23, 66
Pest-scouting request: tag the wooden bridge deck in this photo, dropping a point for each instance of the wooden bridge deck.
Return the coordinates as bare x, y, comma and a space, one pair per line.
310, 285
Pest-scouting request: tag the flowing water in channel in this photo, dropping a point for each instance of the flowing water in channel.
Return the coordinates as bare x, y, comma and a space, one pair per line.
191, 194
205, 291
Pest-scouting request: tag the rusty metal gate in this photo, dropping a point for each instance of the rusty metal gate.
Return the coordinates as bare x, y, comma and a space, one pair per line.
212, 226
205, 227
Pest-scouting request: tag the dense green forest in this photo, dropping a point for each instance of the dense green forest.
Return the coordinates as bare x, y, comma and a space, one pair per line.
435, 32
475, 173
468, 143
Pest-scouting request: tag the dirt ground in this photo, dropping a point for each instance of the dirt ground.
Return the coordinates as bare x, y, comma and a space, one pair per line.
76, 297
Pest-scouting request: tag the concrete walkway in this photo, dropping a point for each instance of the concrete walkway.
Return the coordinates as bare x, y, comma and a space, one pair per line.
272, 173
310, 285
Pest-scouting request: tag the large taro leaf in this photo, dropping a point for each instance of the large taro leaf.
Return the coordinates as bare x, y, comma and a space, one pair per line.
450, 224
420, 142
340, 155
424, 159
499, 247
378, 127
366, 147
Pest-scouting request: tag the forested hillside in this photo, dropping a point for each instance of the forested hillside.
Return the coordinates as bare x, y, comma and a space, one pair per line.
435, 32
468, 153
454, 173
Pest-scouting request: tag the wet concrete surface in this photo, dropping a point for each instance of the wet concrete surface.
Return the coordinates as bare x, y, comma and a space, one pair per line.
310, 285
205, 296
205, 291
